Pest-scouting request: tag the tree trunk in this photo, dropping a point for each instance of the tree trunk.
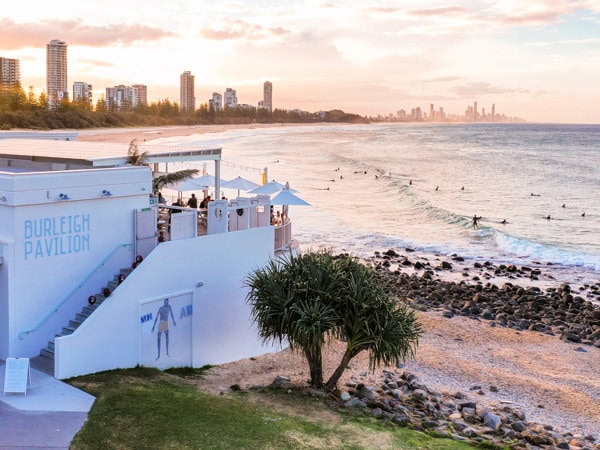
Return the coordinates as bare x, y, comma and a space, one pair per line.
331, 383
315, 364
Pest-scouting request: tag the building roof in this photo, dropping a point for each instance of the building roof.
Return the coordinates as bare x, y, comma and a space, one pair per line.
100, 154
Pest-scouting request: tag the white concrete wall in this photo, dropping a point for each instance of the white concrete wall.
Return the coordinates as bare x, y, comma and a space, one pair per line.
58, 243
116, 336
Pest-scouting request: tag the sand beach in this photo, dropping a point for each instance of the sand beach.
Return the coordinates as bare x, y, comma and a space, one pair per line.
553, 380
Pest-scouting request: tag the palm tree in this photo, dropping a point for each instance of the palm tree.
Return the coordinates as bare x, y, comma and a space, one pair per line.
307, 299
137, 158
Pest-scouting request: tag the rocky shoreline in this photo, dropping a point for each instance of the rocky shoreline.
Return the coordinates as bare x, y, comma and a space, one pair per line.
509, 356
557, 311
402, 399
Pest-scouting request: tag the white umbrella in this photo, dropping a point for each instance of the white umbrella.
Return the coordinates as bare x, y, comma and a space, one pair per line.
285, 197
270, 188
239, 183
194, 184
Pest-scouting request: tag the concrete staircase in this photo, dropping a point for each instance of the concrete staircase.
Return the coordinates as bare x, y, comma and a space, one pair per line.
86, 311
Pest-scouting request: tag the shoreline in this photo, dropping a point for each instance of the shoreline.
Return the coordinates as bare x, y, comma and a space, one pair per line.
553, 381
148, 134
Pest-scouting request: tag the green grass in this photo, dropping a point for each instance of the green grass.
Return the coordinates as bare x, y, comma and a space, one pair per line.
148, 409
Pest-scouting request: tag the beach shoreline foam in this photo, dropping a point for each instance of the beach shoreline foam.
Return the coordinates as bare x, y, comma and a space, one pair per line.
554, 381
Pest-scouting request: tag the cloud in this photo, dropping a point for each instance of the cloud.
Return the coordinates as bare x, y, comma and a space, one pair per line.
443, 79
439, 12
96, 63
237, 29
75, 32
583, 41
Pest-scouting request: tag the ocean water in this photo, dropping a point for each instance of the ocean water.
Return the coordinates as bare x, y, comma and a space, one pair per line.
374, 187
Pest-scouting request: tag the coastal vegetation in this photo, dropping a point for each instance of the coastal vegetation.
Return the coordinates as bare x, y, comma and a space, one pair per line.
135, 157
20, 109
145, 408
308, 299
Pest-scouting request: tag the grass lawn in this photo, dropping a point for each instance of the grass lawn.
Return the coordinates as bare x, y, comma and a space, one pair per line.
147, 409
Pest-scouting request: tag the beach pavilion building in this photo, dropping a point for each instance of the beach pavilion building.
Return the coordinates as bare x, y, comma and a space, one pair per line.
78, 224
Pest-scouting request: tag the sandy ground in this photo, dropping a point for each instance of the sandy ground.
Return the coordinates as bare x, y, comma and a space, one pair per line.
125, 135
553, 381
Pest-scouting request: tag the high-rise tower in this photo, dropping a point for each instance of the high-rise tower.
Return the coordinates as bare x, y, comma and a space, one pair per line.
230, 99
187, 100
56, 72
268, 96
82, 93
10, 73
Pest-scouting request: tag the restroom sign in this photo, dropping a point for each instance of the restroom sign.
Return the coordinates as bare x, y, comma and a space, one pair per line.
17, 375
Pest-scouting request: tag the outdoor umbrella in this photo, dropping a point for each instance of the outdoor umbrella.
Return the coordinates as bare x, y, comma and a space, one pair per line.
194, 184
270, 188
285, 197
239, 183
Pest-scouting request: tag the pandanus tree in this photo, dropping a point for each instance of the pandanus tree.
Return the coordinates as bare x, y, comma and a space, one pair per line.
135, 157
308, 299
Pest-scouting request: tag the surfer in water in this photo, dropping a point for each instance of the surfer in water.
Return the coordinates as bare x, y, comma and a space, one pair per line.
476, 221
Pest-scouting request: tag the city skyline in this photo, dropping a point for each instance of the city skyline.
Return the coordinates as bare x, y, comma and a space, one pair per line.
537, 60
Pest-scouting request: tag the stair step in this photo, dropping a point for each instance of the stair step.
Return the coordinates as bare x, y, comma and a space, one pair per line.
47, 353
67, 330
87, 310
74, 323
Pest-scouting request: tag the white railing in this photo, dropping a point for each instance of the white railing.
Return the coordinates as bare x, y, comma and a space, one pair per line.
283, 235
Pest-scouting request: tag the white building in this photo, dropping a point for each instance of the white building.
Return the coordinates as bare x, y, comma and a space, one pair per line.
230, 99
187, 99
268, 96
121, 98
74, 216
56, 72
216, 101
10, 73
82, 93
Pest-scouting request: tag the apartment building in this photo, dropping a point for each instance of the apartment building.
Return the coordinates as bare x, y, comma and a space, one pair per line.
56, 72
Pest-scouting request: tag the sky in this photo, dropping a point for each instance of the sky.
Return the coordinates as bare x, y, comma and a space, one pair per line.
534, 59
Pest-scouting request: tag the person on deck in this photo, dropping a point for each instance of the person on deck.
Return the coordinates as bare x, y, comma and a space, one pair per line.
204, 203
193, 202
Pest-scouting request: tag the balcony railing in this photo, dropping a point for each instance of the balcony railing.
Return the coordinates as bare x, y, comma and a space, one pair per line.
283, 235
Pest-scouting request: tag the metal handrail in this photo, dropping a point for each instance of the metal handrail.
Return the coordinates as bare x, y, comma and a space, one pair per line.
22, 334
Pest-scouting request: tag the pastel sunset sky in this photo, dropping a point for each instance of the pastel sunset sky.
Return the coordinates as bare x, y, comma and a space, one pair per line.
536, 59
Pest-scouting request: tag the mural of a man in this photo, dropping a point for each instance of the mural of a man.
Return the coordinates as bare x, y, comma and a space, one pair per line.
163, 325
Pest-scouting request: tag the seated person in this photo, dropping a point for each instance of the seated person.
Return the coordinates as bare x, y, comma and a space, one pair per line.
204, 203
